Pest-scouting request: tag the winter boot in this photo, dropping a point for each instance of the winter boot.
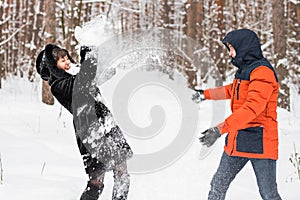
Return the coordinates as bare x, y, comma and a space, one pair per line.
93, 190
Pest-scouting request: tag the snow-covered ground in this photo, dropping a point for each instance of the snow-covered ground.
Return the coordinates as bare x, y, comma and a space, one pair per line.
40, 159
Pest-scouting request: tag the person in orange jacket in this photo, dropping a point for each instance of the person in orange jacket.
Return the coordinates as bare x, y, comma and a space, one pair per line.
252, 129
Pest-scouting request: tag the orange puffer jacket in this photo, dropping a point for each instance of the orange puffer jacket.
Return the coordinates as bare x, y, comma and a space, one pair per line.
252, 127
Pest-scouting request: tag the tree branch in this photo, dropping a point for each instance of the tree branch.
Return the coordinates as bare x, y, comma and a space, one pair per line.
12, 35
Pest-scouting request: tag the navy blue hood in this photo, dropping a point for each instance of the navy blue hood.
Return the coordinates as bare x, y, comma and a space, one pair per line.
247, 47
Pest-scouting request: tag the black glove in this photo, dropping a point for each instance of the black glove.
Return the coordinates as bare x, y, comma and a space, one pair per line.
198, 96
83, 51
210, 136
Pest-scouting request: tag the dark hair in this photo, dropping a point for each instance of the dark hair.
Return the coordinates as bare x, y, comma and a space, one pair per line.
58, 53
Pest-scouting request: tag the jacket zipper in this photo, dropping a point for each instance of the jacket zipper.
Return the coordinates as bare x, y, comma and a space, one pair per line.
238, 89
233, 95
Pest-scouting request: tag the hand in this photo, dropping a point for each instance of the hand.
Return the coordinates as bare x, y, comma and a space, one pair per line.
198, 96
83, 51
88, 52
210, 136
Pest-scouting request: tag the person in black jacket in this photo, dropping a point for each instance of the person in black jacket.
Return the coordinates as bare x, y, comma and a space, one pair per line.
100, 141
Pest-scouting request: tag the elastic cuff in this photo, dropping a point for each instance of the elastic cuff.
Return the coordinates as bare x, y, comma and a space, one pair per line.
206, 94
221, 127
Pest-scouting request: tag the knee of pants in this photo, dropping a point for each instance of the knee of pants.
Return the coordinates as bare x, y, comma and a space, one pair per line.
96, 183
220, 182
121, 171
121, 175
99, 175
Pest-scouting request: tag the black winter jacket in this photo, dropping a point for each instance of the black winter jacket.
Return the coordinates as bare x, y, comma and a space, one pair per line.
80, 97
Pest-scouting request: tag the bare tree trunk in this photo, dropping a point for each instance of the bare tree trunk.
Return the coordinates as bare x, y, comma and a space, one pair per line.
79, 13
165, 20
39, 25
63, 22
125, 17
293, 42
193, 30
10, 67
6, 47
88, 11
1, 39
280, 41
148, 15
135, 15
50, 28
216, 35
31, 38
73, 21
194, 20
36, 40
219, 46
15, 44
24, 19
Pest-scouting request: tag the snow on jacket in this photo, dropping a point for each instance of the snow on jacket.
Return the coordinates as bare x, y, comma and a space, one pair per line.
94, 122
101, 148
252, 127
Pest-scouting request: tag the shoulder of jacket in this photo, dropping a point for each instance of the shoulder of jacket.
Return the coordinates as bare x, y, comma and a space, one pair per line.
246, 72
263, 72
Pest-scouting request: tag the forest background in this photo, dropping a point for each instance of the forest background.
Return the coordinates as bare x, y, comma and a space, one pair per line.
27, 25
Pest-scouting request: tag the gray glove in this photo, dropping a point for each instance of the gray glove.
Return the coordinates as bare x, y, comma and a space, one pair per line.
210, 136
198, 96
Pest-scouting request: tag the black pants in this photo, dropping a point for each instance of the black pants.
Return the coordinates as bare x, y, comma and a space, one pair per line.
96, 171
92, 166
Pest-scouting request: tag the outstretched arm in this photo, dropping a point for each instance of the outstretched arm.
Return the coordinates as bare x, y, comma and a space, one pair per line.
218, 93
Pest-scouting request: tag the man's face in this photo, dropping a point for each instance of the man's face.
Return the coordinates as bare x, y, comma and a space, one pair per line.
63, 63
232, 52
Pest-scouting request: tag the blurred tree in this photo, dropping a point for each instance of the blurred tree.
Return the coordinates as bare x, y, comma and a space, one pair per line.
193, 29
293, 42
206, 22
214, 30
280, 41
5, 39
50, 36
166, 14
74, 13
2, 66
195, 17
136, 18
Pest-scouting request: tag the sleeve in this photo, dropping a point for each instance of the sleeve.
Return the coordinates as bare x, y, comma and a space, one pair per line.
260, 90
88, 70
62, 90
218, 93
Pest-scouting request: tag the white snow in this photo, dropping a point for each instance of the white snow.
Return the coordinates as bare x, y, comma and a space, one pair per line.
93, 32
40, 158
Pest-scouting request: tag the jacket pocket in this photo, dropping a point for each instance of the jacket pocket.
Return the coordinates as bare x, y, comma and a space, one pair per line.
250, 140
